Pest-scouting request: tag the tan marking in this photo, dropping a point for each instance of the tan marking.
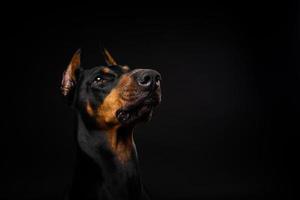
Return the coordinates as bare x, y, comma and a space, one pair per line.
106, 70
121, 147
106, 112
89, 109
125, 68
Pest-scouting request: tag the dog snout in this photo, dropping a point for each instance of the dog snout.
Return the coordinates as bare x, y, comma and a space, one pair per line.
148, 78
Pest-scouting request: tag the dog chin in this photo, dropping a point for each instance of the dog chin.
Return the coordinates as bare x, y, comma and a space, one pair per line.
131, 117
140, 113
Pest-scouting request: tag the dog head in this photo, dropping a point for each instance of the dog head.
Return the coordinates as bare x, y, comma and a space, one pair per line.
111, 95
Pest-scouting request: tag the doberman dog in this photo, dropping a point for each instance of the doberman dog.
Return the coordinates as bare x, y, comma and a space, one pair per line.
110, 100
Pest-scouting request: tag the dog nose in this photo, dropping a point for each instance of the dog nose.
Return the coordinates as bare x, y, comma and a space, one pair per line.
148, 78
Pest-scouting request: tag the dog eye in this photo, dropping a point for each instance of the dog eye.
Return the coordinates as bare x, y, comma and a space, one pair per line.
98, 79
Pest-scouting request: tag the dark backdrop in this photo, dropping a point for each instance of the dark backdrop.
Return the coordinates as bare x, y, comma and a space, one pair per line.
227, 124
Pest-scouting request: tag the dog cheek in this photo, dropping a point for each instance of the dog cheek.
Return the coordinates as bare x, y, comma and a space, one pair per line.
107, 110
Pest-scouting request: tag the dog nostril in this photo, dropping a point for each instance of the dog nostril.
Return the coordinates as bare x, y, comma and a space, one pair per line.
145, 81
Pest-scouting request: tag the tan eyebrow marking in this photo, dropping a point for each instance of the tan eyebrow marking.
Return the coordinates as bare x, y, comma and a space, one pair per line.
125, 68
106, 70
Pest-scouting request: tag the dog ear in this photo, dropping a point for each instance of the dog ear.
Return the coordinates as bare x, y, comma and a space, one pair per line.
70, 75
108, 58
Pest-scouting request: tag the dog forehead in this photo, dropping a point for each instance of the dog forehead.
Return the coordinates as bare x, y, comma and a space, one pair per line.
116, 70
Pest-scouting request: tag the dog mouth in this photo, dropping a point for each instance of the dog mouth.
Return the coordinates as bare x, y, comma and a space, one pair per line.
140, 110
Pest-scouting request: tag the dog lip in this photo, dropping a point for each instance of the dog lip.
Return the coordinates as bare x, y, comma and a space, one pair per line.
152, 100
138, 109
148, 100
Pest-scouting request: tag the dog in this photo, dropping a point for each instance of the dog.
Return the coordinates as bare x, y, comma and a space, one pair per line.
109, 101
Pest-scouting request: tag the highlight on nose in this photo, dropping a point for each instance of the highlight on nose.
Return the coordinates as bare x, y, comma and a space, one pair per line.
148, 78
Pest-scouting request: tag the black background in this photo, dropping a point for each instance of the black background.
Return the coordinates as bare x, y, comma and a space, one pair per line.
227, 125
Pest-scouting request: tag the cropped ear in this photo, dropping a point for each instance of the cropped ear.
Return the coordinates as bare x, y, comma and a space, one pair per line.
108, 58
69, 76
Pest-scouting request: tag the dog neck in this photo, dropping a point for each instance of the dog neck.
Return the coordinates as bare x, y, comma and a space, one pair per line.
107, 163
